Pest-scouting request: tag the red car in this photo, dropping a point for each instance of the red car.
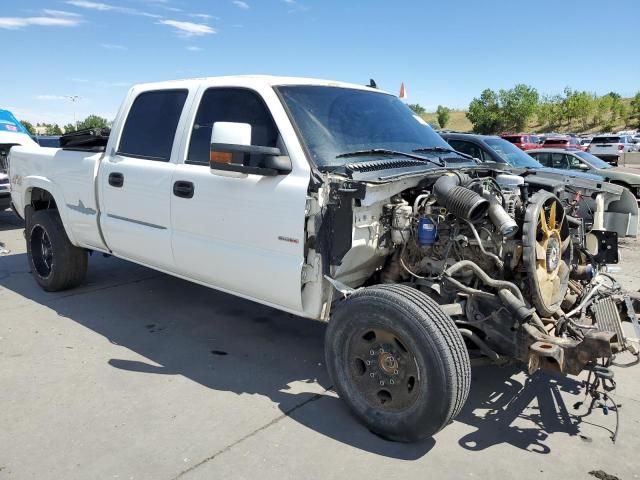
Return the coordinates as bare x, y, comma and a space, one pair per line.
522, 141
566, 143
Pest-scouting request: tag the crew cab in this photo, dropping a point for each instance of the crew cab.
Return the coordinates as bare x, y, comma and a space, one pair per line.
335, 202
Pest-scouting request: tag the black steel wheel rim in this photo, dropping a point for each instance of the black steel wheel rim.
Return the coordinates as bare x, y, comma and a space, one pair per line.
41, 251
383, 369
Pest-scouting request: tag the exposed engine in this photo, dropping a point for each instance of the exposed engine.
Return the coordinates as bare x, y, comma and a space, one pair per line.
512, 268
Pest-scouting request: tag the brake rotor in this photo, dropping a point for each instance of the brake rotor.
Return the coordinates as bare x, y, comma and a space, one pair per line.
546, 251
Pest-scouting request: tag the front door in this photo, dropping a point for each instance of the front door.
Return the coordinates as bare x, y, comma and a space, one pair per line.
135, 181
239, 232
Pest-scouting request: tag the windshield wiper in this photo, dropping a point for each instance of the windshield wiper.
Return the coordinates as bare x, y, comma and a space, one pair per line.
443, 150
386, 152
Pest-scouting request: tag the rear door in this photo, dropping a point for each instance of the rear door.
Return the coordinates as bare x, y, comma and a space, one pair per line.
240, 232
135, 180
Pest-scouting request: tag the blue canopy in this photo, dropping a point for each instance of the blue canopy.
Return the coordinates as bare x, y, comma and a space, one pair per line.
9, 123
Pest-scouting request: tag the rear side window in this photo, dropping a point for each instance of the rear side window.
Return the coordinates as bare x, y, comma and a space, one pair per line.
151, 125
237, 105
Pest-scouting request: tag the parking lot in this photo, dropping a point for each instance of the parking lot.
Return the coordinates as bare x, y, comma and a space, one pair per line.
141, 375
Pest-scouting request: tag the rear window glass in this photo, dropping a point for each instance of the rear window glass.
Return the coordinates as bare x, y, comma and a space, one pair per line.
557, 141
151, 125
605, 140
513, 139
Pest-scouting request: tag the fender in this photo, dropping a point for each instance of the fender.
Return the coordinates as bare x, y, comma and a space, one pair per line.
31, 182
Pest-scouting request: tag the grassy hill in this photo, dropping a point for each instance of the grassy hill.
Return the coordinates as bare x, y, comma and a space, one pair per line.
459, 122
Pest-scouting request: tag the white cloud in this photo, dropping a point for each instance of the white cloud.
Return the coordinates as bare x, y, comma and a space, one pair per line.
202, 16
57, 20
241, 4
51, 97
113, 46
105, 7
60, 13
189, 29
192, 48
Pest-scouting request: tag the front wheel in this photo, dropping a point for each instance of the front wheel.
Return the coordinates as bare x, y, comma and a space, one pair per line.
398, 361
56, 264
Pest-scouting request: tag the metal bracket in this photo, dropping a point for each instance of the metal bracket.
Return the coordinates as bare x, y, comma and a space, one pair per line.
339, 286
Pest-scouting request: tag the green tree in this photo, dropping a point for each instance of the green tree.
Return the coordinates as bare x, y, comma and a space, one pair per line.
69, 128
29, 126
53, 129
485, 114
583, 105
518, 105
92, 121
443, 114
634, 111
417, 108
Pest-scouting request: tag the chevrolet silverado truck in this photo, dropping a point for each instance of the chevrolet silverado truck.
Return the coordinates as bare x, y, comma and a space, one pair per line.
334, 202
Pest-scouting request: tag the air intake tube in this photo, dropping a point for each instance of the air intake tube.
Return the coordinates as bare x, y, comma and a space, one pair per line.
459, 200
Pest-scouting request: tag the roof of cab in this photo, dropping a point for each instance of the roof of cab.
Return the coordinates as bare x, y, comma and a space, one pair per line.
251, 81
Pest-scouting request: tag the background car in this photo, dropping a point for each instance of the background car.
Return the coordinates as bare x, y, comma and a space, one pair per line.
586, 162
488, 148
523, 141
610, 147
563, 142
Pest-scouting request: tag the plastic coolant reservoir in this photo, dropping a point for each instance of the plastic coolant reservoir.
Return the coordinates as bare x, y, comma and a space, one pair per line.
427, 232
509, 182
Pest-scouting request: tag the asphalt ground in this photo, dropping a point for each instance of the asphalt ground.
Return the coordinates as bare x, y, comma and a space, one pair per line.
139, 375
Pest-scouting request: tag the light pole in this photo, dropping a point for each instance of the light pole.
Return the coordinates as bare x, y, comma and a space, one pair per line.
74, 99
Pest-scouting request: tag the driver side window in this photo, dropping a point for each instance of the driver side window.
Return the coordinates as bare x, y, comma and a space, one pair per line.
237, 105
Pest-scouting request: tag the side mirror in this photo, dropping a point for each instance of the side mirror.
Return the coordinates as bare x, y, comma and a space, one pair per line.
231, 143
582, 166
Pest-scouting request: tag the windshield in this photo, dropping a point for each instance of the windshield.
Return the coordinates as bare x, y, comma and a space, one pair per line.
511, 154
593, 160
333, 121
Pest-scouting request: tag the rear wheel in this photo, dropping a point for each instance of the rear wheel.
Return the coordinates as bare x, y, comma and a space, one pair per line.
398, 361
56, 264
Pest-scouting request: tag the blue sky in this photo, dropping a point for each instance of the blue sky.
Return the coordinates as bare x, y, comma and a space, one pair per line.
445, 52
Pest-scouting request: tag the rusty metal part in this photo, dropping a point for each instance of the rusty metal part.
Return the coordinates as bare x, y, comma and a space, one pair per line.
565, 355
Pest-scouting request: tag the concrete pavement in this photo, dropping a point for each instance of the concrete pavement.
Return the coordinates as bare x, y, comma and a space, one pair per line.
138, 375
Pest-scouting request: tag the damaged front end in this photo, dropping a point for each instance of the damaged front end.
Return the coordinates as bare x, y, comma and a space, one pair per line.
522, 274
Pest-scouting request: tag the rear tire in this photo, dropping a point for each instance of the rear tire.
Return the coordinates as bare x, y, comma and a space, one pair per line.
56, 264
398, 361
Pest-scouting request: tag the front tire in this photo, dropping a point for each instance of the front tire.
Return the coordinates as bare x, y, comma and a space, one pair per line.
398, 361
56, 264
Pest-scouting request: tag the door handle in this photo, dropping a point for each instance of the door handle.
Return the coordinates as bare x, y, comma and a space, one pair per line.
183, 189
116, 179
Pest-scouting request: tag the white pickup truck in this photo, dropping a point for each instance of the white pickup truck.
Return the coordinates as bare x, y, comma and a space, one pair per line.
333, 201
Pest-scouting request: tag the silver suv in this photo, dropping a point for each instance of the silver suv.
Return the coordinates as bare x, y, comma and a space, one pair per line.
610, 147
